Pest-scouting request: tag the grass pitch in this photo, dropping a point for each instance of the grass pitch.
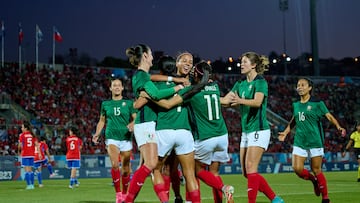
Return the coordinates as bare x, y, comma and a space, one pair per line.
342, 188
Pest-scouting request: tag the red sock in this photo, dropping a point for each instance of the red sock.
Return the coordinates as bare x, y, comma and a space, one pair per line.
265, 188
161, 192
175, 182
194, 196
322, 185
306, 175
253, 187
115, 174
125, 183
210, 179
167, 182
217, 193
188, 197
137, 182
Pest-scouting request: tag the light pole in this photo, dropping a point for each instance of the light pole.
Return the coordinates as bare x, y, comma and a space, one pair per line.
283, 5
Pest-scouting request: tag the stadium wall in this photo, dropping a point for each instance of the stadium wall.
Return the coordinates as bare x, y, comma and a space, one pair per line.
99, 166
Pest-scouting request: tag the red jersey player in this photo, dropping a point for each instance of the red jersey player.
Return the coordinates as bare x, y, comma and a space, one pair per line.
27, 145
73, 154
41, 160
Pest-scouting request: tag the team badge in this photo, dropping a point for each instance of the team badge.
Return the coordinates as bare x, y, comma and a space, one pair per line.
309, 108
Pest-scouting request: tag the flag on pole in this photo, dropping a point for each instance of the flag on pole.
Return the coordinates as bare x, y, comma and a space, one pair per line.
39, 34
57, 35
21, 34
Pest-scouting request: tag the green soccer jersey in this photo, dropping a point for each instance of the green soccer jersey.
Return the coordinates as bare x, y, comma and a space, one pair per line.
205, 112
118, 114
175, 118
252, 119
141, 82
309, 132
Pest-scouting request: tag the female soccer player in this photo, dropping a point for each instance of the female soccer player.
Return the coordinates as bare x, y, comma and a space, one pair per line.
355, 139
251, 95
118, 115
141, 57
27, 146
209, 130
41, 160
309, 136
170, 171
73, 154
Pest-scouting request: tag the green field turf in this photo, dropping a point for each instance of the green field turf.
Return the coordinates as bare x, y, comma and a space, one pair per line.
342, 186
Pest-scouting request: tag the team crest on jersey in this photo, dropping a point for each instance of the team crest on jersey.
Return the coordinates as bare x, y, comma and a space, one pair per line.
250, 86
151, 136
308, 108
123, 104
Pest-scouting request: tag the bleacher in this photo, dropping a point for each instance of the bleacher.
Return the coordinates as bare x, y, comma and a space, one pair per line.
55, 98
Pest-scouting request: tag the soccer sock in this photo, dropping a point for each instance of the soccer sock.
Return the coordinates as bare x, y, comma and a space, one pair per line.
32, 178
125, 183
161, 192
72, 180
27, 178
253, 187
137, 182
306, 175
115, 174
167, 182
175, 182
210, 179
50, 169
265, 188
322, 185
194, 196
39, 177
217, 194
76, 181
359, 172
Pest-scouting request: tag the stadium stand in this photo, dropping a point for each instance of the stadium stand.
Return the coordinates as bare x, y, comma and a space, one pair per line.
54, 99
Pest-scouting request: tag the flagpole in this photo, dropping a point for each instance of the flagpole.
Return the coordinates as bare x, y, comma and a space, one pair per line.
2, 49
2, 43
53, 47
37, 48
20, 65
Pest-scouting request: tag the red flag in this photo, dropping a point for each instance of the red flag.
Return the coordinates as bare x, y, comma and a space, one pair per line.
21, 34
57, 35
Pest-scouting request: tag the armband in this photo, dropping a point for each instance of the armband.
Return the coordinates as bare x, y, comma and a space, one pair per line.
170, 79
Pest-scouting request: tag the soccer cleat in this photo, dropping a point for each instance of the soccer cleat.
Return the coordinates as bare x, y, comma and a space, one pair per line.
228, 191
277, 199
316, 187
325, 201
178, 200
29, 187
41, 185
71, 187
358, 180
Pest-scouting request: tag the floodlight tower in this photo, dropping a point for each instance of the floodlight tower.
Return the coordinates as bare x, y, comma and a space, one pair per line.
284, 6
314, 39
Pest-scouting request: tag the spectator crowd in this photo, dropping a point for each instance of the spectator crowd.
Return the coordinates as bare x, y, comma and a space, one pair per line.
58, 98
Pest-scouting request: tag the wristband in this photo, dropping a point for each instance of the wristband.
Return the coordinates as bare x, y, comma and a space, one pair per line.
170, 79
